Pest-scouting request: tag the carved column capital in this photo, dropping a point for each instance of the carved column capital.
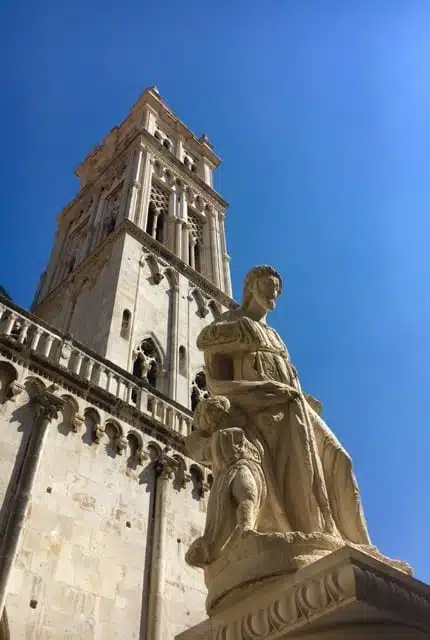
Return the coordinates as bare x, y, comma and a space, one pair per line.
47, 406
165, 467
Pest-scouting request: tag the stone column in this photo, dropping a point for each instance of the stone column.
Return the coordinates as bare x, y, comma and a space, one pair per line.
178, 239
46, 407
183, 204
193, 243
154, 224
186, 242
156, 617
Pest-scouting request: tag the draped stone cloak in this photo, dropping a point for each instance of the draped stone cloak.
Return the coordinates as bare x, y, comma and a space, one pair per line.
311, 486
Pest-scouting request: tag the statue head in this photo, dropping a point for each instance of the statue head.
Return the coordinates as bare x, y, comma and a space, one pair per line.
211, 413
217, 412
262, 284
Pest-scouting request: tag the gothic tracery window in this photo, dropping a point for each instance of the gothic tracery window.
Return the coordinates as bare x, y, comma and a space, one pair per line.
157, 211
196, 240
147, 362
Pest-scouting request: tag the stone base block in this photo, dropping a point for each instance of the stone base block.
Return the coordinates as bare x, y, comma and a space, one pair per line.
346, 595
260, 556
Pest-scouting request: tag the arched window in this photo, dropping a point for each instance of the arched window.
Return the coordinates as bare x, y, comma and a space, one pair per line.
126, 324
147, 363
198, 390
182, 361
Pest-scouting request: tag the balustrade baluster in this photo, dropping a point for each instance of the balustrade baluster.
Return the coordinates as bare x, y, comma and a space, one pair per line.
35, 340
77, 362
89, 369
49, 339
118, 387
109, 377
23, 333
9, 325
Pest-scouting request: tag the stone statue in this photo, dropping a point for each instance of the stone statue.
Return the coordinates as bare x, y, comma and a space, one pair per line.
238, 476
267, 445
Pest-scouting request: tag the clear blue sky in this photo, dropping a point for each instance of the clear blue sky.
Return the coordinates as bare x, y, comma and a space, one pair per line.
321, 113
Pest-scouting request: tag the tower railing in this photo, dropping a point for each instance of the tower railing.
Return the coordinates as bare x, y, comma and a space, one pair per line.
29, 334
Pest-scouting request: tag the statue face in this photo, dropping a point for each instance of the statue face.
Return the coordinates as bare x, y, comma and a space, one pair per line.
266, 290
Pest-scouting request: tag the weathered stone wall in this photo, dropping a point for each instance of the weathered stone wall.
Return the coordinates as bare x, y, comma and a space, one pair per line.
84, 561
83, 308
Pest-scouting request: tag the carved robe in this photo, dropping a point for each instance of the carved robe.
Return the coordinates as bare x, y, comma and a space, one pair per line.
310, 483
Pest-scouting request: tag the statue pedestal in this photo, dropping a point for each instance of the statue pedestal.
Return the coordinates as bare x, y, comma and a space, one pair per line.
346, 595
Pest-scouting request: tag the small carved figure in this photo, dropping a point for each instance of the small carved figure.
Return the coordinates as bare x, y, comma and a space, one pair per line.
220, 441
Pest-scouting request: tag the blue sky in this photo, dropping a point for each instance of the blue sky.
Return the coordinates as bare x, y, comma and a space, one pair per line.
321, 113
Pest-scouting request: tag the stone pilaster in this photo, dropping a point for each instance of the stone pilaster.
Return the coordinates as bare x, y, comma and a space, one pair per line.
46, 408
142, 213
164, 469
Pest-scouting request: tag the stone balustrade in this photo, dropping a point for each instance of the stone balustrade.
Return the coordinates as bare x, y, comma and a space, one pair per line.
28, 333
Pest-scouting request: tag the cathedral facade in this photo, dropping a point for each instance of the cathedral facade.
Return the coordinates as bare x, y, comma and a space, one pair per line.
99, 500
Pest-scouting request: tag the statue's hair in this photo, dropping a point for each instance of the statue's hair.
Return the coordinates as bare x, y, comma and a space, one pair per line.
220, 402
253, 275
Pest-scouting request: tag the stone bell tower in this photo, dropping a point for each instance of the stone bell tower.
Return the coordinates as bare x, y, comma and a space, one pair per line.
140, 259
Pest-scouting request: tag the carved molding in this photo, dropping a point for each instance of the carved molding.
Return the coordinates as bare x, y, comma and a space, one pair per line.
349, 584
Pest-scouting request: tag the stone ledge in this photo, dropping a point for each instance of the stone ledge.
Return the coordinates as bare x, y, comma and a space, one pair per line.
346, 594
